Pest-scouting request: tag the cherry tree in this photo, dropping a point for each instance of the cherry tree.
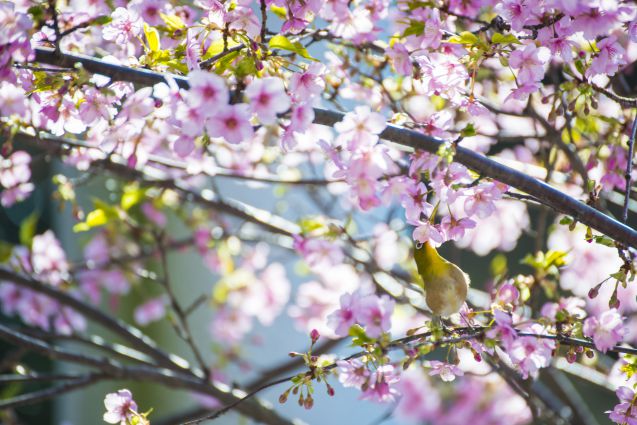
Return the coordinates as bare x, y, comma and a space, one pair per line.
382, 132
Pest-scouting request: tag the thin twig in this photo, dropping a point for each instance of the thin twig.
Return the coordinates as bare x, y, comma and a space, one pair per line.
48, 393
185, 333
629, 169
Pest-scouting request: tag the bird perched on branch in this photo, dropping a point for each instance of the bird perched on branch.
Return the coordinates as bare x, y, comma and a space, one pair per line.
445, 283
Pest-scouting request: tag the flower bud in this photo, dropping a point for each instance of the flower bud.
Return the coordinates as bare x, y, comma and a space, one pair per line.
309, 402
330, 390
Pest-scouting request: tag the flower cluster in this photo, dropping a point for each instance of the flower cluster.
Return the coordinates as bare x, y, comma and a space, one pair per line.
47, 262
368, 310
15, 45
15, 174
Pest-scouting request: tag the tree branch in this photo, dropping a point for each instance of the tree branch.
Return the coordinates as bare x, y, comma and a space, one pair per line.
113, 370
130, 334
481, 164
629, 169
52, 392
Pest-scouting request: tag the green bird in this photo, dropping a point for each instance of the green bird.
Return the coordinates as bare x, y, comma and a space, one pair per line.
445, 284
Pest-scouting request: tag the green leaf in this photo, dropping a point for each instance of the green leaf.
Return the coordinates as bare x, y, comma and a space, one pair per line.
28, 227
566, 220
152, 36
245, 67
465, 38
132, 196
469, 130
102, 20
281, 12
499, 265
95, 218
414, 28
283, 43
225, 62
498, 38
37, 12
173, 22
359, 337
605, 240
5, 251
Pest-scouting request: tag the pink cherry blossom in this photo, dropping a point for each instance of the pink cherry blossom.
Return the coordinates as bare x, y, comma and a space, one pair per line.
232, 123
14, 22
624, 413
12, 100
15, 194
609, 58
120, 407
346, 316
517, 12
572, 305
139, 105
15, 170
427, 232
149, 10
352, 373
374, 313
446, 371
151, 311
530, 354
414, 200
360, 128
48, 259
308, 84
267, 98
503, 329
481, 202
420, 402
508, 294
381, 388
126, 24
208, 92
399, 55
318, 253
529, 62
453, 228
606, 330
153, 214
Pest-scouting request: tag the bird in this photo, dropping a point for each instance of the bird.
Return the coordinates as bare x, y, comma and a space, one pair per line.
445, 283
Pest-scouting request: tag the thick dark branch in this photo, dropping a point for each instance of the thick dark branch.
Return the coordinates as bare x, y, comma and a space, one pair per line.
481, 164
131, 335
110, 369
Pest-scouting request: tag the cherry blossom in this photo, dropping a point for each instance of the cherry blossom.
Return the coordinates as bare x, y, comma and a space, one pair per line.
606, 330
625, 412
150, 311
126, 24
120, 407
380, 387
446, 371
352, 373
232, 123
208, 92
267, 98
608, 59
